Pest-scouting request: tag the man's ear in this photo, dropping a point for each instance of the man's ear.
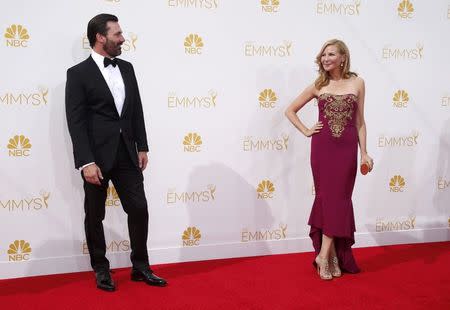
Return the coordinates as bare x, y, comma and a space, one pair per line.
100, 38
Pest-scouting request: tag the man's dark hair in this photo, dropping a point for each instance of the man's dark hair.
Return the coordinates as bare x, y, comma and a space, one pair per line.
98, 25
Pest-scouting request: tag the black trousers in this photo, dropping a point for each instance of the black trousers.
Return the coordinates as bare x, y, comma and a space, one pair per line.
129, 183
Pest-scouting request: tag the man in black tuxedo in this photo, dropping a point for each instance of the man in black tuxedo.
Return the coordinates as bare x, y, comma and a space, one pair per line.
106, 124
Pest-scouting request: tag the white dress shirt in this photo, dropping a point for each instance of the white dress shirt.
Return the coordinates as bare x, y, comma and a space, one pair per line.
114, 79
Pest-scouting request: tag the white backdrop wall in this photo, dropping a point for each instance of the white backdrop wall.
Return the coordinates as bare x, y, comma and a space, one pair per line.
229, 91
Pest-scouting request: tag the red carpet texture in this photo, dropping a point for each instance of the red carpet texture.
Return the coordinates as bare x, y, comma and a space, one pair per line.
415, 276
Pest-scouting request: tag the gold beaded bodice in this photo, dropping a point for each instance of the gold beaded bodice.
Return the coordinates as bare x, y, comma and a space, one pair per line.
338, 111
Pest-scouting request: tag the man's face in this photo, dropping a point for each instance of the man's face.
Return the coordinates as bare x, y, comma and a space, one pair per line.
114, 39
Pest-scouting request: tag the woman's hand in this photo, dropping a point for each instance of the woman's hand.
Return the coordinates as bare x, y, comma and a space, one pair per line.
365, 158
314, 129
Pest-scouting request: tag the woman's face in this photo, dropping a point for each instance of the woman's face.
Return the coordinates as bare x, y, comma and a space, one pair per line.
331, 58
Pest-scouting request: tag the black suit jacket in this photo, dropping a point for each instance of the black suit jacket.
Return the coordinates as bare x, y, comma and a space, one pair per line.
94, 124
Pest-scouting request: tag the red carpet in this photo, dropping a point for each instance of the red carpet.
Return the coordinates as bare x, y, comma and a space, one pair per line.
393, 277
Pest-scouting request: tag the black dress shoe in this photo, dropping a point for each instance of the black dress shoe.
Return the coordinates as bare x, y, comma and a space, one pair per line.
104, 281
148, 277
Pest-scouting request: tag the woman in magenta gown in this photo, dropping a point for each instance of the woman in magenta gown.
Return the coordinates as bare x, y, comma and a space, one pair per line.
334, 150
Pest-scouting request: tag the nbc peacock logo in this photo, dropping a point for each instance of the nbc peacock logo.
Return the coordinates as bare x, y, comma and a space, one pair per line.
270, 6
192, 142
19, 250
265, 189
193, 44
267, 98
400, 99
405, 9
397, 184
112, 198
191, 236
16, 36
19, 146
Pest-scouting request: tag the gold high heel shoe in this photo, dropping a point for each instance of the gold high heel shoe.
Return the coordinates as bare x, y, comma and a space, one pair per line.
323, 268
335, 270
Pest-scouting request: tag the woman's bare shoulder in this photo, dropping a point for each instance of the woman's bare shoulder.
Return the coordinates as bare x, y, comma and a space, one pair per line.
359, 80
312, 90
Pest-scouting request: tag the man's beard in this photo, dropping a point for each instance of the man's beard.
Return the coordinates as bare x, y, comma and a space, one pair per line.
112, 49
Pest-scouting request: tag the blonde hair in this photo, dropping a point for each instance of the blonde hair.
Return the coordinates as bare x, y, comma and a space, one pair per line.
324, 76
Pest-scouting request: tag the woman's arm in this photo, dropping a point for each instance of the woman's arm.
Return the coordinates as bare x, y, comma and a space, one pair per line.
361, 124
291, 112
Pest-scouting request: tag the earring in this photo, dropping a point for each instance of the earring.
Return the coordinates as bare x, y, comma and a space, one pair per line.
342, 64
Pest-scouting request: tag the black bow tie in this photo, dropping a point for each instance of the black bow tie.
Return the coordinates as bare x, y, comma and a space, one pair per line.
108, 61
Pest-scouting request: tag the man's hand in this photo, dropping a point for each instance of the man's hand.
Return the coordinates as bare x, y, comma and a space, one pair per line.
92, 174
143, 160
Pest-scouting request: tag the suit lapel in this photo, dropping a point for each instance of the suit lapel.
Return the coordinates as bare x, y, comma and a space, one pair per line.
127, 81
100, 80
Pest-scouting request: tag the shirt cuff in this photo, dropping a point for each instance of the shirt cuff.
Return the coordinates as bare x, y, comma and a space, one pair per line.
82, 167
